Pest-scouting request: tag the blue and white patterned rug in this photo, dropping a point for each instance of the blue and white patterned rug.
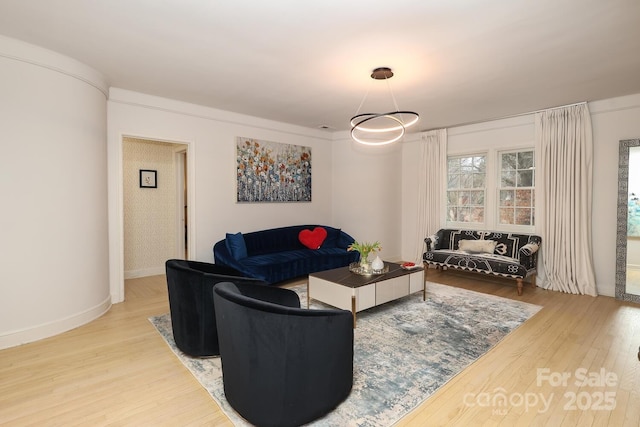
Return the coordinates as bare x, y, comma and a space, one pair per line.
403, 351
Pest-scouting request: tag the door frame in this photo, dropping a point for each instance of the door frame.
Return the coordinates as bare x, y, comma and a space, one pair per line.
116, 208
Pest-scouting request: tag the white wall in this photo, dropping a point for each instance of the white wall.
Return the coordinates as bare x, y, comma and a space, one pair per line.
367, 199
54, 255
211, 137
612, 120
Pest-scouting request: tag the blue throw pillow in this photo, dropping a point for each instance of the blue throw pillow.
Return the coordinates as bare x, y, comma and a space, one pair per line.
236, 246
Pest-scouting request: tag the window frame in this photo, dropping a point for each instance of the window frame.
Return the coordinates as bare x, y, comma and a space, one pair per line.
499, 188
492, 190
464, 224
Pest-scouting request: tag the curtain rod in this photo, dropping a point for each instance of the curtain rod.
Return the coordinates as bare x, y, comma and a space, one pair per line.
507, 117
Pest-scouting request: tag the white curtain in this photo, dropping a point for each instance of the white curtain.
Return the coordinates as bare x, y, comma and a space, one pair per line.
564, 143
431, 178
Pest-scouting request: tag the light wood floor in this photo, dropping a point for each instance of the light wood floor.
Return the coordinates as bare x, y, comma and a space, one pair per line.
118, 371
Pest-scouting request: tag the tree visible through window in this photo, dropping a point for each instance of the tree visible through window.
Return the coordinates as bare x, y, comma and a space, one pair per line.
517, 188
466, 177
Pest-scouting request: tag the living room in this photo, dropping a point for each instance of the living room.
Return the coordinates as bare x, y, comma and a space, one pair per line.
67, 125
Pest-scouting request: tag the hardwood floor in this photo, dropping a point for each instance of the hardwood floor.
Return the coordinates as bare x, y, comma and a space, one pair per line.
118, 371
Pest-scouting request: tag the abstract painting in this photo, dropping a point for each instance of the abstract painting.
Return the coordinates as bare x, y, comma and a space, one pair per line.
272, 172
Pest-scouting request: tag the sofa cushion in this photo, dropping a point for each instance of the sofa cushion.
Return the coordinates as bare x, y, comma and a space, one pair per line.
236, 245
477, 246
313, 239
486, 263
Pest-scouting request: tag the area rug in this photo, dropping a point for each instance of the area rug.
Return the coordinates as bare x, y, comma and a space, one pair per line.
403, 351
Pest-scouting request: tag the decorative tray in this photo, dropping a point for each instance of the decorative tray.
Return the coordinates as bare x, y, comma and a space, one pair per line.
356, 268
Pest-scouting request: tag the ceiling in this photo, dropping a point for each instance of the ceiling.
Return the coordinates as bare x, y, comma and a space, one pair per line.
308, 63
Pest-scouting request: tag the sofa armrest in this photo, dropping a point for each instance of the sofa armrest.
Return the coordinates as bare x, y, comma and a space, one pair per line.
222, 256
528, 254
344, 240
432, 242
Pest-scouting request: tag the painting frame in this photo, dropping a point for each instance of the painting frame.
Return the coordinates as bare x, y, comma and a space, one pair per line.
272, 172
148, 178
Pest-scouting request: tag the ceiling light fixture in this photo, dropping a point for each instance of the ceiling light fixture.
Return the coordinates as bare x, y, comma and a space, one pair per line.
381, 128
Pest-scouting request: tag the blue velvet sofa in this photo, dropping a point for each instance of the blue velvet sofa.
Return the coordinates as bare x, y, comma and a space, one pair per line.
277, 254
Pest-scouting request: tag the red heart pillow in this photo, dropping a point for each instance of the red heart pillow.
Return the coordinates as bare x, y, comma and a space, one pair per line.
313, 239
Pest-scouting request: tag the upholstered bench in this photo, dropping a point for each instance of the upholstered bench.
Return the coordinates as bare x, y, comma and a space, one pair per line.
512, 255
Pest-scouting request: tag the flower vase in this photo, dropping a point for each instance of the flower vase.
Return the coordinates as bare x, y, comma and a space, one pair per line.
365, 264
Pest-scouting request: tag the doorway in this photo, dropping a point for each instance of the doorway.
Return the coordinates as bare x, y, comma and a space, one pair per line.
155, 226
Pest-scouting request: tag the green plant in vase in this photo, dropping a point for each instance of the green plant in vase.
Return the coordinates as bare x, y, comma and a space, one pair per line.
365, 249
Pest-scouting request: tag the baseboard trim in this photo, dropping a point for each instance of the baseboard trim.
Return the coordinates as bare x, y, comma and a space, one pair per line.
144, 272
46, 330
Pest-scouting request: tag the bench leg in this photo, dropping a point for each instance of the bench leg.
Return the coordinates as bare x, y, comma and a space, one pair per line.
519, 286
533, 281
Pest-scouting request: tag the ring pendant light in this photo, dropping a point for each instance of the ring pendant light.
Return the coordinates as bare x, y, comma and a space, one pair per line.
381, 128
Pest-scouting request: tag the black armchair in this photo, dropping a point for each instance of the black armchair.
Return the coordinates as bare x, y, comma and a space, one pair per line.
281, 365
190, 285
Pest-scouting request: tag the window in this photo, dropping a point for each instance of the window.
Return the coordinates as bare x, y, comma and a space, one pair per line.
466, 177
516, 199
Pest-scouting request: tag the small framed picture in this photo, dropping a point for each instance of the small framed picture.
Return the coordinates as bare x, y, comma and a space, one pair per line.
148, 178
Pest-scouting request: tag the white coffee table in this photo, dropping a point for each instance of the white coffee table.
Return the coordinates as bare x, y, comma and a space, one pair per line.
350, 291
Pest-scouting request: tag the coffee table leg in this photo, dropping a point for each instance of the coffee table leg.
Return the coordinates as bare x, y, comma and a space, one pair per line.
424, 290
353, 309
308, 294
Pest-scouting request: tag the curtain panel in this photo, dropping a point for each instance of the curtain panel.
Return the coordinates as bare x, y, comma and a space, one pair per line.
564, 143
431, 179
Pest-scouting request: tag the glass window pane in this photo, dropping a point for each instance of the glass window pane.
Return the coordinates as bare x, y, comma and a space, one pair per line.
506, 216
506, 198
477, 198
453, 181
452, 197
479, 164
523, 216
508, 179
524, 198
509, 161
466, 164
525, 160
452, 214
478, 180
463, 214
453, 165
525, 178
477, 215
466, 181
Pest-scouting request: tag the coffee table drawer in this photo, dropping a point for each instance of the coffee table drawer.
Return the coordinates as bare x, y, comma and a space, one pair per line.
416, 281
392, 289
